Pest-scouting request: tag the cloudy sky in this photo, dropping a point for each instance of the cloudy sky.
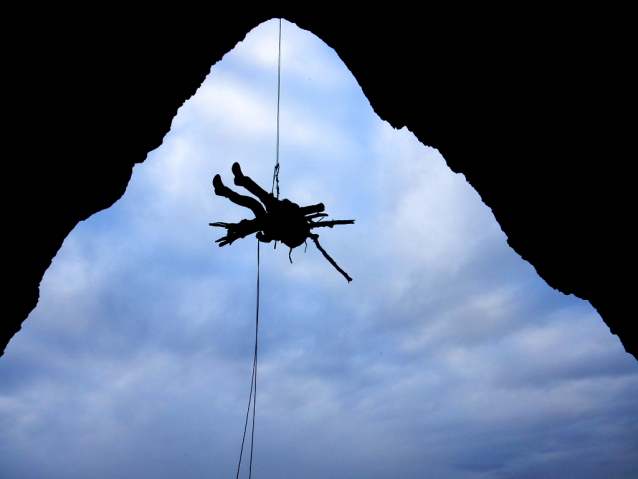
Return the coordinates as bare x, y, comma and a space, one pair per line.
446, 357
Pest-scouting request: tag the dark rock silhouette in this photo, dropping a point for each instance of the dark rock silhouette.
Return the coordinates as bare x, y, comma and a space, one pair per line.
528, 104
279, 220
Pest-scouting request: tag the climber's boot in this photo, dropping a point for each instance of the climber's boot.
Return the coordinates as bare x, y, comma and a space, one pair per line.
220, 188
239, 176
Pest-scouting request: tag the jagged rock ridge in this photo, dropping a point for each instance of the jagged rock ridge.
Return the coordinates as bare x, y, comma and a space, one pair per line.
526, 109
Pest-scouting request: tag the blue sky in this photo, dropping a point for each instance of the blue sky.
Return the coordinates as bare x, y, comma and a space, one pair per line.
447, 356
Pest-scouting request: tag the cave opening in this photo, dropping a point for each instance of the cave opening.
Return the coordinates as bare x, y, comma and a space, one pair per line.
447, 353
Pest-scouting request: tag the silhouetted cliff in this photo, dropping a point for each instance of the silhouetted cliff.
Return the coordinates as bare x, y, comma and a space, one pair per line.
526, 104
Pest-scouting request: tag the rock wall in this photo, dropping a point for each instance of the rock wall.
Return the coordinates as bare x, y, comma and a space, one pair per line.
528, 104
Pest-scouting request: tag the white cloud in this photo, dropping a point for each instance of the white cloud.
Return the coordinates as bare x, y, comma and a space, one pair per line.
304, 57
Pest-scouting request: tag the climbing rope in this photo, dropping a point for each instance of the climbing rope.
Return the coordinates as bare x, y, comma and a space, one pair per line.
275, 176
252, 400
253, 389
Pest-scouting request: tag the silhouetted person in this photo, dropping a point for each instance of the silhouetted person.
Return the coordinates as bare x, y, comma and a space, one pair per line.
279, 220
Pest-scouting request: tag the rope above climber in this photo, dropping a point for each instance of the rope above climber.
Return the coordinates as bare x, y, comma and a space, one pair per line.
278, 220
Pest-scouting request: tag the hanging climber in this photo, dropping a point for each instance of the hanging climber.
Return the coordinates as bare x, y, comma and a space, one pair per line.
278, 220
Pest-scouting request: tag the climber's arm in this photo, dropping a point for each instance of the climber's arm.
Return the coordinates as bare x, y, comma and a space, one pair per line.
236, 231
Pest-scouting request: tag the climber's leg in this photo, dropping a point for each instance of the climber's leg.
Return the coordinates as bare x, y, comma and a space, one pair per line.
245, 201
242, 180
